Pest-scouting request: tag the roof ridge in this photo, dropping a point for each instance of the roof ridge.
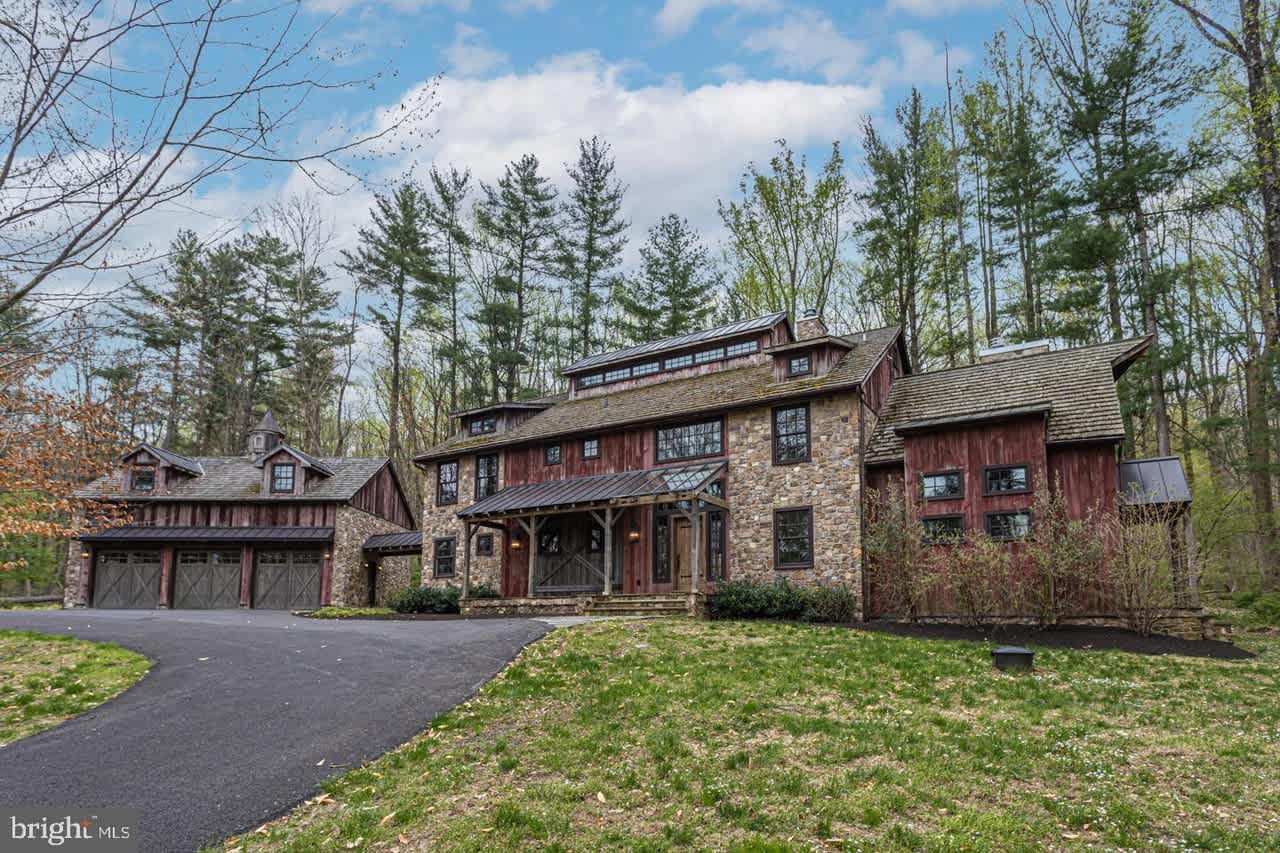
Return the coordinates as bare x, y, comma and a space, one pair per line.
1022, 358
675, 341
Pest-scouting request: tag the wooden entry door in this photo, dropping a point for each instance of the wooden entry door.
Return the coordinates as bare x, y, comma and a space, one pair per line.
682, 565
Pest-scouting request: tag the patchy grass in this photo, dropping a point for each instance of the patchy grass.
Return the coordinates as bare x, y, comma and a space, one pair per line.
45, 679
345, 612
30, 605
674, 734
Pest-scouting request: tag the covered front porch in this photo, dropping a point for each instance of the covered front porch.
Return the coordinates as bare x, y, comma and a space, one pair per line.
655, 538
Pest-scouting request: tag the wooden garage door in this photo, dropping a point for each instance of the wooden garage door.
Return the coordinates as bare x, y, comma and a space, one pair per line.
206, 579
287, 580
126, 579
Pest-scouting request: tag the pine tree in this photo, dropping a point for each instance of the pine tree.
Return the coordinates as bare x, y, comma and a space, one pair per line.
674, 290
445, 210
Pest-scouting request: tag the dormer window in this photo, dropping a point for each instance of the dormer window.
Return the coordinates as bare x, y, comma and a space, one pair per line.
483, 424
143, 479
282, 478
799, 365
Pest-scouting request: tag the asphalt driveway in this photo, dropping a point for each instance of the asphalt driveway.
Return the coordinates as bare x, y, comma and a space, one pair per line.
244, 713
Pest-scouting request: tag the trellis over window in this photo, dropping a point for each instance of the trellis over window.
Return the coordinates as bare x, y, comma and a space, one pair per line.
689, 441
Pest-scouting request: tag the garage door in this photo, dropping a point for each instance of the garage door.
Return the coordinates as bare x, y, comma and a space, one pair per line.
287, 580
126, 579
207, 579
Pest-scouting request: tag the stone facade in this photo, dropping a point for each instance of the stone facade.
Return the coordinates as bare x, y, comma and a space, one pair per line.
72, 582
441, 521
349, 585
830, 484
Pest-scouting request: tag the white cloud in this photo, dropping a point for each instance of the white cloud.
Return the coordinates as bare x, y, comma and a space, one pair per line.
938, 8
519, 7
920, 61
808, 41
677, 16
337, 7
470, 55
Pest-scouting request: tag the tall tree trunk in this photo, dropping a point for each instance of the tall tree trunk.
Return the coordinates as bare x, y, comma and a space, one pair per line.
1159, 405
175, 379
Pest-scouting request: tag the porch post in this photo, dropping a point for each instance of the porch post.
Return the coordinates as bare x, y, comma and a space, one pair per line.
532, 532
695, 543
608, 550
466, 560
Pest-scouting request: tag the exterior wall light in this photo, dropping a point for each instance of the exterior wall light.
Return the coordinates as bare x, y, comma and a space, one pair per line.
634, 535
84, 555
515, 543
327, 555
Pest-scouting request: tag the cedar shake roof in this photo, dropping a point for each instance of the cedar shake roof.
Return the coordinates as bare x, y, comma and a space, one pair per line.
742, 327
1075, 387
708, 392
235, 478
177, 460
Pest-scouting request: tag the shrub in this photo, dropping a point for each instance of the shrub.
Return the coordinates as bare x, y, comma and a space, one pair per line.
901, 566
744, 599
426, 599
1265, 609
1064, 557
978, 579
830, 604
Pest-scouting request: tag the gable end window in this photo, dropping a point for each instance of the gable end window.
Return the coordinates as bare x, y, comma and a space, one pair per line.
445, 557
484, 544
590, 448
942, 485
799, 365
1006, 480
1009, 526
483, 424
551, 454
793, 538
791, 434
689, 441
943, 529
447, 483
486, 475
143, 479
282, 478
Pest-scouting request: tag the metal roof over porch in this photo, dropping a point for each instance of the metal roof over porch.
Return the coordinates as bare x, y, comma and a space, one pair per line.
597, 490
1159, 480
394, 544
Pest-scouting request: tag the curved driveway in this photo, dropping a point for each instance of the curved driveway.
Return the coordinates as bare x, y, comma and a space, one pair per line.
244, 713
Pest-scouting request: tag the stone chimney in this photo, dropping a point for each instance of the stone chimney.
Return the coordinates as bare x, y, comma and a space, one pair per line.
810, 325
266, 436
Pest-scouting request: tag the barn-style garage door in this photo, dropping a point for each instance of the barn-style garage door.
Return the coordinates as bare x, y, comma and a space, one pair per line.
206, 579
287, 580
127, 579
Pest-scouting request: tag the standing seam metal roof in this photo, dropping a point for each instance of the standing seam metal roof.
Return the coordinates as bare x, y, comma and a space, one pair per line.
595, 489
755, 324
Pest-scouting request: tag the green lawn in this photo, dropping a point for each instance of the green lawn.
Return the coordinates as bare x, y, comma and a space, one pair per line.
674, 734
45, 679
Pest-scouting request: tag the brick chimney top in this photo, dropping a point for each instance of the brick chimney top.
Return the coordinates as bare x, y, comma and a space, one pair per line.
810, 325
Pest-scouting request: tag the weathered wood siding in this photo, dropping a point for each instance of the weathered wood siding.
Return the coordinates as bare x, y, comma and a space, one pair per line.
195, 514
381, 496
1088, 475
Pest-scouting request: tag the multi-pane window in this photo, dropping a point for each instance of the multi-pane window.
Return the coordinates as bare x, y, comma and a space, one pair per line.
282, 477
1006, 480
715, 546
940, 529
590, 379
551, 454
798, 364
617, 374
549, 542
483, 424
678, 361
793, 538
595, 540
590, 448
486, 475
445, 557
484, 544
143, 479
942, 485
706, 355
689, 441
645, 369
662, 549
742, 348
1007, 526
447, 483
791, 434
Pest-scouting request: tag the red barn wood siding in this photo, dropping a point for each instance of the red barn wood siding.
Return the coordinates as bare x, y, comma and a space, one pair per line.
1088, 476
382, 497
209, 514
875, 390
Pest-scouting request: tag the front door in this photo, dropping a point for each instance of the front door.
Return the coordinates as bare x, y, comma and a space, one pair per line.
681, 539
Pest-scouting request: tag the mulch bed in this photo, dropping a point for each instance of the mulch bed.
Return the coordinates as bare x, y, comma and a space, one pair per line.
1066, 637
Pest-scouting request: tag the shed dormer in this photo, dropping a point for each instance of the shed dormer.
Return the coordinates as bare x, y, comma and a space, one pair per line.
496, 418
809, 358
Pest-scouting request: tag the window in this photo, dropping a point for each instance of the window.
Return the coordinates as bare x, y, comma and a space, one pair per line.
551, 454
678, 362
590, 380
590, 448
1006, 480
715, 546
483, 424
143, 479
445, 560
798, 365
706, 355
793, 538
282, 478
549, 542
595, 542
791, 434
742, 348
484, 544
486, 475
645, 369
689, 441
662, 549
617, 374
942, 485
941, 529
447, 483
1008, 526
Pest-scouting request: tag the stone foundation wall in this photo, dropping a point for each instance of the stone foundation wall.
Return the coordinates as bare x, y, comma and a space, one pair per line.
438, 522
349, 581
830, 484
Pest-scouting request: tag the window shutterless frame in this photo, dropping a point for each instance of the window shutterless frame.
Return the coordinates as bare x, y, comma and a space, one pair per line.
447, 482
697, 440
800, 365
986, 524
552, 454
486, 475
778, 514
958, 473
955, 521
282, 474
444, 552
591, 448
779, 436
484, 544
986, 479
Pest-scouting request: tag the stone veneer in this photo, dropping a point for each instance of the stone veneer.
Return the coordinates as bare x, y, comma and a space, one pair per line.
830, 483
349, 582
440, 521
72, 594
